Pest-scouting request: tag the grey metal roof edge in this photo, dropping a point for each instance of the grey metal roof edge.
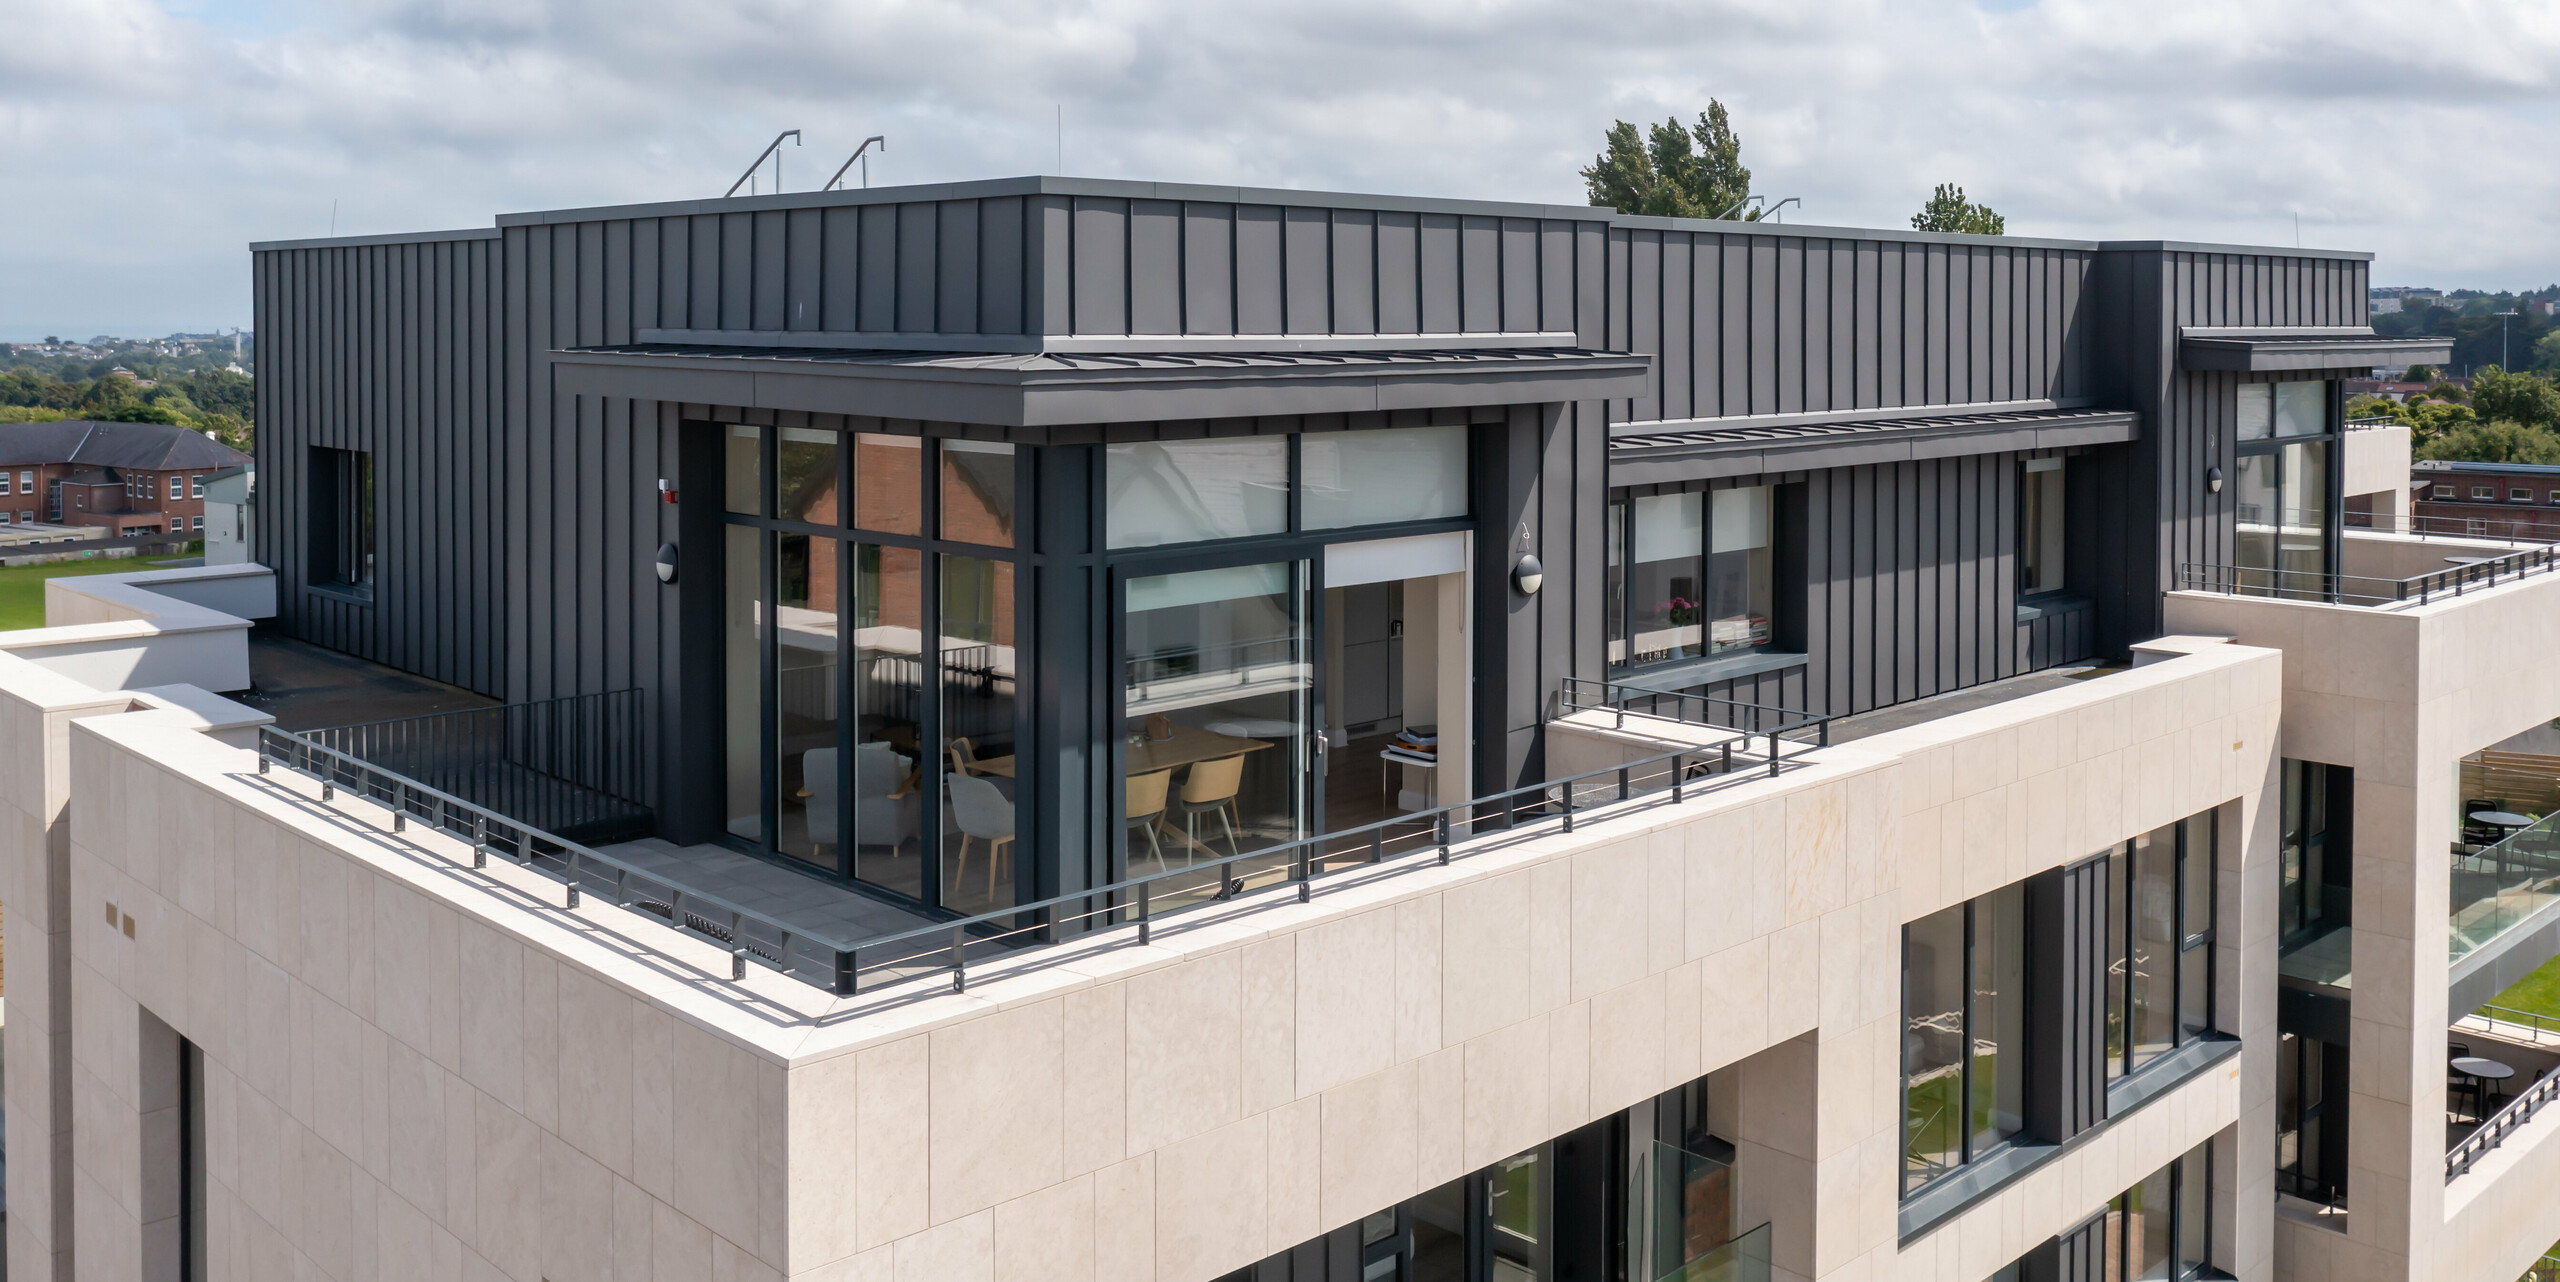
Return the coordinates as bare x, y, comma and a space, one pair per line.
1101, 344
2262, 332
2254, 251
385, 238
2082, 422
1050, 185
1567, 363
1816, 231
1878, 414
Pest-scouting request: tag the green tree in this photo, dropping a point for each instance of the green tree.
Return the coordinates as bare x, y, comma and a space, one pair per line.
2441, 390
2529, 399
2362, 407
2429, 420
1948, 210
143, 412
2499, 442
2546, 352
1678, 172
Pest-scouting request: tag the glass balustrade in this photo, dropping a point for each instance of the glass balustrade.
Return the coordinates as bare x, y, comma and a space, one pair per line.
2498, 887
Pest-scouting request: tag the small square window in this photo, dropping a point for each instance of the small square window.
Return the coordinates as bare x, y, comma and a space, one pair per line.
2444, 491
4, 482
2520, 496
2484, 492
177, 488
195, 487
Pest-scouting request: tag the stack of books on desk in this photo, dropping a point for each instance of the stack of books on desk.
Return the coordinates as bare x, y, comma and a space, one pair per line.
1418, 746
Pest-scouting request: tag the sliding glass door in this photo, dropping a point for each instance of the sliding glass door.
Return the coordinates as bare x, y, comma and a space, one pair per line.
2284, 537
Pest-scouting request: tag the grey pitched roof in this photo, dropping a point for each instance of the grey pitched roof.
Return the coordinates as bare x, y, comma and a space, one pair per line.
1701, 449
1053, 389
150, 447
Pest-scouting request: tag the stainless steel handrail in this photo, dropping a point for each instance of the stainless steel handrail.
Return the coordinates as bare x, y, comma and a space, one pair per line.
2501, 1124
2331, 588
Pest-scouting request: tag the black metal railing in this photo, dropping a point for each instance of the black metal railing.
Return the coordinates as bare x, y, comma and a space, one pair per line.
845, 966
1583, 694
576, 765
746, 934
2355, 589
1444, 832
2500, 1125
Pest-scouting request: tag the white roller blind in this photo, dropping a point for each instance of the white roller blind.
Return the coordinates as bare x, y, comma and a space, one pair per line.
1670, 526
1200, 587
1741, 519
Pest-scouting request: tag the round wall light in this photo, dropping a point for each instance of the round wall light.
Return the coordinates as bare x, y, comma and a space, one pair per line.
1528, 573
666, 563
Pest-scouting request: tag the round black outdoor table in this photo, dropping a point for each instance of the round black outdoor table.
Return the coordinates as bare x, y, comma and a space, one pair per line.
2480, 1071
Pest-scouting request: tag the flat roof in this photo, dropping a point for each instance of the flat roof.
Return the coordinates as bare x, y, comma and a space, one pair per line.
1131, 189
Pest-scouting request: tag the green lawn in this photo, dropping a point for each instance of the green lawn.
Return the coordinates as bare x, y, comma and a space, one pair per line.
2538, 992
22, 586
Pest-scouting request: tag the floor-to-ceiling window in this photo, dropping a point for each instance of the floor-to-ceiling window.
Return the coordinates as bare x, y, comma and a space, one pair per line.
2285, 535
1963, 1033
2160, 934
1216, 547
853, 745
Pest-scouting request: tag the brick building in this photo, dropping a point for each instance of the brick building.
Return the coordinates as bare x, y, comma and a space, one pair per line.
2496, 500
133, 478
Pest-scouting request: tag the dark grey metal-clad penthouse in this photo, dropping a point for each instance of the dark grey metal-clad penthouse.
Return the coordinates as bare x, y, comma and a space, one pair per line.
895, 496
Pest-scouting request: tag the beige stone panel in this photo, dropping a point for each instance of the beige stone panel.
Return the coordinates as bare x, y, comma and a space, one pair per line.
1610, 918
963, 1250
1095, 1068
1269, 979
1047, 1236
1795, 987
1185, 1049
594, 1033
493, 1020
654, 1104
824, 1140
997, 1100
1442, 1120
1419, 979
1733, 1013
415, 1096
403, 947
1628, 1031
679, 1246
506, 1154
1666, 898
1371, 1148
1550, 935
1568, 1061
1484, 977
1211, 1201
716, 1130
1297, 1169
1716, 885
1506, 1092
1815, 877
1682, 1005
1124, 1219
1346, 999
891, 1108
577, 1215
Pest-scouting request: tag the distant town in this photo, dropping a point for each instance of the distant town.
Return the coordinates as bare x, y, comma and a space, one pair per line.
201, 381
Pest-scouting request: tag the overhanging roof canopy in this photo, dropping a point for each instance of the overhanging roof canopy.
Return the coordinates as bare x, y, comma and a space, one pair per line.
2261, 350
1060, 388
1703, 449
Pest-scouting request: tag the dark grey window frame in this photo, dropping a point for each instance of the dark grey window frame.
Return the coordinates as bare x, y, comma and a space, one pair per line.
1967, 1154
345, 516
2192, 944
2332, 433
1618, 525
847, 539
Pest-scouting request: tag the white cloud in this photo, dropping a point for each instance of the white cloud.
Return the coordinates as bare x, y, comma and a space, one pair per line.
148, 143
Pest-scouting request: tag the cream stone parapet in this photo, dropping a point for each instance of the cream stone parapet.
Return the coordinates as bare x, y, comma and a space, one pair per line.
183, 626
2400, 695
390, 1034
2375, 460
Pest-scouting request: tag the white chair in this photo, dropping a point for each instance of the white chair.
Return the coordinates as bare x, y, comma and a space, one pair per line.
818, 786
881, 816
982, 813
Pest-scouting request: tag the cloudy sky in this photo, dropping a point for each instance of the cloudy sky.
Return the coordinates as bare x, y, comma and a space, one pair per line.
146, 142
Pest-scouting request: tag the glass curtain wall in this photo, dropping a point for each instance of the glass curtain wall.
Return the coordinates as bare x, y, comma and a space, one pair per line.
853, 746
2160, 935
2284, 538
1963, 1033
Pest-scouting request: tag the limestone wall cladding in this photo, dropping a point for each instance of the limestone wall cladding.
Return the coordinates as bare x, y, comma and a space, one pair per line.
2400, 696
473, 1073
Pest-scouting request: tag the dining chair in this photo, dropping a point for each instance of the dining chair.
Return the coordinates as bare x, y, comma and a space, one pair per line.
1145, 807
982, 812
1211, 788
964, 756
818, 793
